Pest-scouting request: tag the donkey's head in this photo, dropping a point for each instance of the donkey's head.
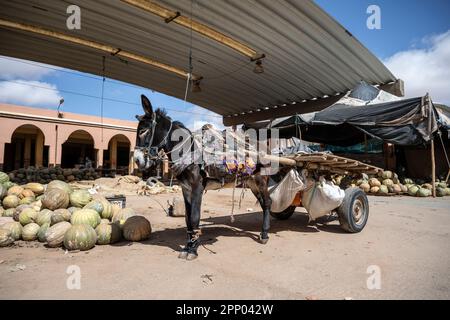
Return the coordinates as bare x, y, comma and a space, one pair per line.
152, 135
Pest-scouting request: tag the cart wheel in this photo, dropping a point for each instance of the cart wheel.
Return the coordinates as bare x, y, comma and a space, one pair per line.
284, 215
354, 210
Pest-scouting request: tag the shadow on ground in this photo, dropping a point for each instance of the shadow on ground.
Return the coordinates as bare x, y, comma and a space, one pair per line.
245, 225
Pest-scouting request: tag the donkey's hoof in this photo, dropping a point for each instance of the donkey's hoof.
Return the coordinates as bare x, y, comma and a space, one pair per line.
263, 241
191, 256
183, 255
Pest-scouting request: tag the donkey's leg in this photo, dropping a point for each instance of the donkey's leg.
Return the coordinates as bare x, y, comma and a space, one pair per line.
192, 185
259, 186
187, 192
195, 232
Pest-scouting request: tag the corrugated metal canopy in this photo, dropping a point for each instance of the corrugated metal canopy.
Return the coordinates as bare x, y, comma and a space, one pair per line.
308, 55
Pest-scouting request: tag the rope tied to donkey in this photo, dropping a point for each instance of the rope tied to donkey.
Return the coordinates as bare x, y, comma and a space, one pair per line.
232, 196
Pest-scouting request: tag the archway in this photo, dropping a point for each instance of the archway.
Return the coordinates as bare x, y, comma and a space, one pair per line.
78, 150
117, 157
27, 148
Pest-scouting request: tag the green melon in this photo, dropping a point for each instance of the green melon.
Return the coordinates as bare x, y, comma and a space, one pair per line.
423, 192
9, 184
86, 216
19, 209
387, 175
136, 228
73, 209
61, 185
412, 190
9, 212
383, 190
447, 191
408, 181
29, 232
108, 233
44, 216
388, 182
80, 237
122, 215
3, 191
55, 199
10, 201
15, 228
107, 211
5, 238
442, 185
55, 234
27, 200
42, 231
2, 211
440, 192
104, 221
95, 205
3, 177
80, 198
27, 216
60, 215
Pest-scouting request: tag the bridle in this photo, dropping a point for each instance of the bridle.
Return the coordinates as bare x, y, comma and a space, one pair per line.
153, 152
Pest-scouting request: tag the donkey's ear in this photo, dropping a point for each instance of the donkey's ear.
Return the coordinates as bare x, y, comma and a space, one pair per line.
146, 105
139, 118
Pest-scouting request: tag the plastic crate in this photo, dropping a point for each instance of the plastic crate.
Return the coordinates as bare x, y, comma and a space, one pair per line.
119, 200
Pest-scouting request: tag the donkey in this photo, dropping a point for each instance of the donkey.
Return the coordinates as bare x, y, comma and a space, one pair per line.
154, 134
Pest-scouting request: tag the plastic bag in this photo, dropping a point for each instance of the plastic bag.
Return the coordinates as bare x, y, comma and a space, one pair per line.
320, 198
283, 193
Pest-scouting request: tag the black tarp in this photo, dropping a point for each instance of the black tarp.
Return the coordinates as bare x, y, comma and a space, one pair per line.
405, 122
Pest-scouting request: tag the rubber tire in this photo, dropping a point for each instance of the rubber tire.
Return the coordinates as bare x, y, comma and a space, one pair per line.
346, 218
284, 215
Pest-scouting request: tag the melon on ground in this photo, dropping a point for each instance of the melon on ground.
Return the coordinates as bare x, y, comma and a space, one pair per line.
29, 232
15, 228
80, 198
108, 233
5, 238
55, 199
55, 234
80, 237
136, 228
86, 216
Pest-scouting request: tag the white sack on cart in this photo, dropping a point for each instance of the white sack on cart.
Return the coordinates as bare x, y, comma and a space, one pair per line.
320, 198
283, 194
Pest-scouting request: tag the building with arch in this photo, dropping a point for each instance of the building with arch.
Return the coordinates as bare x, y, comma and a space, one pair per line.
44, 137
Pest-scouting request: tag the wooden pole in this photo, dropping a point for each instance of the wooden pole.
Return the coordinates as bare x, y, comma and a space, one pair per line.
95, 45
433, 169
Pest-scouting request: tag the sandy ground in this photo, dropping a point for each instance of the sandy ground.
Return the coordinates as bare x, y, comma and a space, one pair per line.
408, 239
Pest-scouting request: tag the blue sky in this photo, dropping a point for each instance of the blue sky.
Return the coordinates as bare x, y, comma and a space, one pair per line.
411, 30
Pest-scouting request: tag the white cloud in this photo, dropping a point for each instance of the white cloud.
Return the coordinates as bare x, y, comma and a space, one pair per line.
30, 93
21, 69
201, 117
425, 70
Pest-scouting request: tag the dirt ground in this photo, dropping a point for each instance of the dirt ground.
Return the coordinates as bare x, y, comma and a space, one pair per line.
406, 239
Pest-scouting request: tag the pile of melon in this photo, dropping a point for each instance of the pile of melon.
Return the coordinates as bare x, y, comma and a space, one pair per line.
388, 183
59, 216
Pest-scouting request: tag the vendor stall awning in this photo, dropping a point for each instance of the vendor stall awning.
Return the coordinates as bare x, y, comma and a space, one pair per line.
305, 56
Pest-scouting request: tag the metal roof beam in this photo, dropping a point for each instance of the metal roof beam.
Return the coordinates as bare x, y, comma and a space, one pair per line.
174, 16
288, 110
95, 45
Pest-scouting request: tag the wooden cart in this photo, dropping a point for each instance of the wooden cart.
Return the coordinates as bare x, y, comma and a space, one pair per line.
353, 213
